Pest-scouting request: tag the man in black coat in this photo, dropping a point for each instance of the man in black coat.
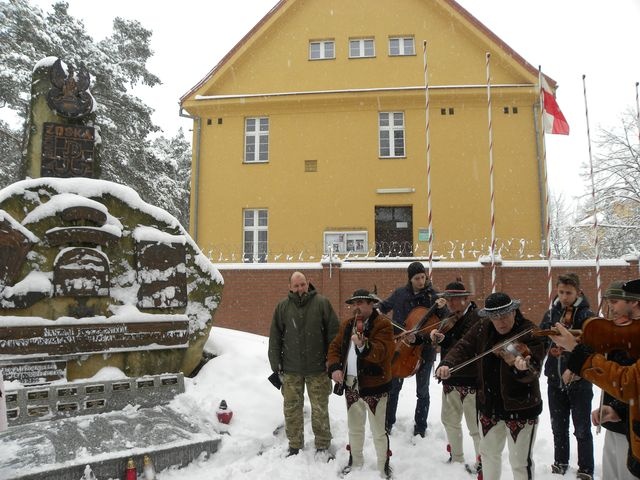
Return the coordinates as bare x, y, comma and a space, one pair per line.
569, 395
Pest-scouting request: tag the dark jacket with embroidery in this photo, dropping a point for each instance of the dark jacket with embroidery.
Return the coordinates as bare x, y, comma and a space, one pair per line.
504, 392
374, 361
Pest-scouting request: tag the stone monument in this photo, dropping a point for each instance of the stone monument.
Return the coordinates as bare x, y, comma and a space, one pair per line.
91, 276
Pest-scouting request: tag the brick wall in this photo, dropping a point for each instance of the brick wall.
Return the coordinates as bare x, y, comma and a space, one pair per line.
252, 291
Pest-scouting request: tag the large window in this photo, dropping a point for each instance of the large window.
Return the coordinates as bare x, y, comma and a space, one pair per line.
321, 50
344, 242
256, 139
401, 46
391, 127
256, 223
361, 47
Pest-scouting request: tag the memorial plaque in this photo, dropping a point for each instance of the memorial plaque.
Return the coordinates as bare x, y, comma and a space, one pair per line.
169, 381
38, 411
94, 337
67, 392
35, 372
121, 386
89, 389
67, 150
38, 395
97, 403
67, 407
13, 413
11, 397
145, 383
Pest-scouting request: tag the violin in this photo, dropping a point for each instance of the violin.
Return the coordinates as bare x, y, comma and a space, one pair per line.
605, 336
359, 326
497, 348
512, 350
567, 318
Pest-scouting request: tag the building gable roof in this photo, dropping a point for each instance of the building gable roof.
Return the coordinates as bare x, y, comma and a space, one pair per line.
280, 9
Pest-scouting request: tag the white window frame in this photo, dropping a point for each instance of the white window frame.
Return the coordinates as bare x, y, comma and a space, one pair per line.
348, 241
255, 221
358, 47
256, 135
405, 46
323, 53
391, 130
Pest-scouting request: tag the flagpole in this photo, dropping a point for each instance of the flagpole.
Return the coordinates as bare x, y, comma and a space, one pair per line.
638, 127
428, 152
546, 186
596, 241
491, 187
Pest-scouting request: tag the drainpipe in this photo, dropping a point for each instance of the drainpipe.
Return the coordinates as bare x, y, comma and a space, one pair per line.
196, 171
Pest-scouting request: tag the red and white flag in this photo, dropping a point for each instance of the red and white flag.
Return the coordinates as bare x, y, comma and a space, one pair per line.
554, 121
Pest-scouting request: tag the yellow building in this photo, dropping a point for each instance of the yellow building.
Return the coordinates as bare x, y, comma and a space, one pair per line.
310, 135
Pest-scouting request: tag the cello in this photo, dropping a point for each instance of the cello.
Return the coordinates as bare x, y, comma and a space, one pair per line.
407, 357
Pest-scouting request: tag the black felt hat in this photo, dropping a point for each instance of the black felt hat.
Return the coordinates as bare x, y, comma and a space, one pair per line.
498, 304
455, 289
362, 294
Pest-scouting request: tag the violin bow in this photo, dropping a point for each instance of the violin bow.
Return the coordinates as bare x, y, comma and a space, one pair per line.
491, 350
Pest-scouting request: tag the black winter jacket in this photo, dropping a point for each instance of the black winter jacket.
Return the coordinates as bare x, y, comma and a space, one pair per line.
555, 366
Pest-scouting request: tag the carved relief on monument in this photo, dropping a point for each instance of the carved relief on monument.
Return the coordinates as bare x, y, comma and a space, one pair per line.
69, 95
67, 150
15, 243
120, 278
161, 272
81, 272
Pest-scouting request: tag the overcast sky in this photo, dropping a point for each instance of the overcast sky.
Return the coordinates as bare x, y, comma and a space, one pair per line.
567, 38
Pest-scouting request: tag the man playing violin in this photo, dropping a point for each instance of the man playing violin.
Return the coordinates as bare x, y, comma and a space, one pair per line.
617, 373
458, 391
568, 400
360, 358
508, 397
418, 292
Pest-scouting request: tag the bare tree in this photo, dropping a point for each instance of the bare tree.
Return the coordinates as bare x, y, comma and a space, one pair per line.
561, 219
616, 175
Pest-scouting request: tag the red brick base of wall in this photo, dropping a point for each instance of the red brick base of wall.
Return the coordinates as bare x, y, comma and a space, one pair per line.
251, 294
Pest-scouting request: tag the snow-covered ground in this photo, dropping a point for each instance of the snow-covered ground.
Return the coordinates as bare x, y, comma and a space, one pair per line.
251, 450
